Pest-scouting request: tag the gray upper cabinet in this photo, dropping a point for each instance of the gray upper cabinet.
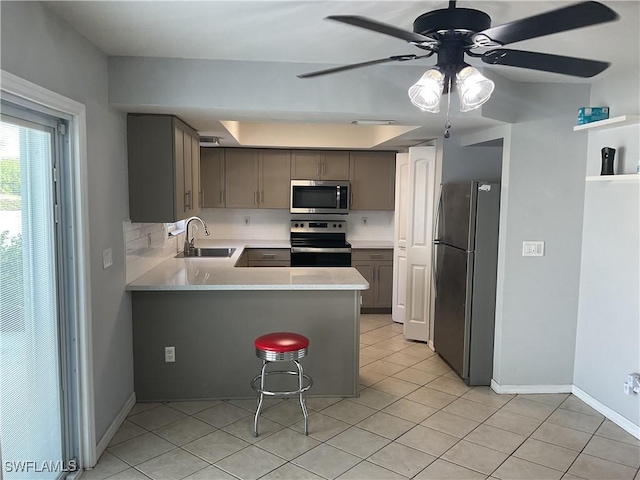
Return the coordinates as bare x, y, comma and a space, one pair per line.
372, 180
319, 165
164, 168
257, 178
212, 177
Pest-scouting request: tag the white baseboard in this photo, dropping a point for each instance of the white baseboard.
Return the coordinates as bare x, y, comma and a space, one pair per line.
115, 425
530, 389
615, 417
430, 345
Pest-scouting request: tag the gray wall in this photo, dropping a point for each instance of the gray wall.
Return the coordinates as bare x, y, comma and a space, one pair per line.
609, 312
544, 185
38, 47
470, 163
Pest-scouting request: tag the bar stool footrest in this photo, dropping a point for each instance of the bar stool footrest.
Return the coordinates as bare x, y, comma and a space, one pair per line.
257, 378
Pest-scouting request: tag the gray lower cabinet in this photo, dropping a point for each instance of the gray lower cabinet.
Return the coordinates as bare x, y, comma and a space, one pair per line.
376, 266
164, 168
268, 257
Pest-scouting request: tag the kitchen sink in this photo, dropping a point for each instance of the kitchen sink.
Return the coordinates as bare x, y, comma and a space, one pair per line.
209, 252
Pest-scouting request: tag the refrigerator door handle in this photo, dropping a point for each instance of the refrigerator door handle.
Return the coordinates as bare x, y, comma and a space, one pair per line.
436, 224
434, 267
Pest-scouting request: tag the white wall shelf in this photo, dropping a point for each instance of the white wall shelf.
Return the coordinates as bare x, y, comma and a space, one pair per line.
629, 177
614, 122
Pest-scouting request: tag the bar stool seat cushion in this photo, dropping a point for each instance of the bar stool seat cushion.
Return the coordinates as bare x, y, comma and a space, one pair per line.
281, 342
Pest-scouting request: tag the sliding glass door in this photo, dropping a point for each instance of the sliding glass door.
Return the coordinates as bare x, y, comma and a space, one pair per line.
33, 405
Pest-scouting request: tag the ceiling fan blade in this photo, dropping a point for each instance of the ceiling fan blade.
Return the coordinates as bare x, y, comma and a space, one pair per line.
568, 18
395, 58
369, 24
577, 67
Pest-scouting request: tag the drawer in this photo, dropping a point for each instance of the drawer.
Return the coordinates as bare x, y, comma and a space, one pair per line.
269, 254
367, 254
269, 263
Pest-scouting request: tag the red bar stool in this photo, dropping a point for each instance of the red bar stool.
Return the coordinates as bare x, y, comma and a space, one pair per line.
281, 347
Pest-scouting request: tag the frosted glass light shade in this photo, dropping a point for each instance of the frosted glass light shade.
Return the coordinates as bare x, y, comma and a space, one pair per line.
425, 93
473, 88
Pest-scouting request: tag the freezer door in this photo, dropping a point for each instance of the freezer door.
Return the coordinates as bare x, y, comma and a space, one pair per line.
456, 215
452, 315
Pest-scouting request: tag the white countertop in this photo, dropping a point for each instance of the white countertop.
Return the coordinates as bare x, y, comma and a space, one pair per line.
384, 244
210, 273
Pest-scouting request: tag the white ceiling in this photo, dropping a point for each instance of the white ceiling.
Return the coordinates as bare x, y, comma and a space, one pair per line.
295, 31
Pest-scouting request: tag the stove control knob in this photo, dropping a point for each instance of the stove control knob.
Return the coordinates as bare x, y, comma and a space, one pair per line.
334, 225
340, 226
302, 224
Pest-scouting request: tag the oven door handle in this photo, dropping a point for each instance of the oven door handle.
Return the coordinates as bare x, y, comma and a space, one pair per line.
319, 250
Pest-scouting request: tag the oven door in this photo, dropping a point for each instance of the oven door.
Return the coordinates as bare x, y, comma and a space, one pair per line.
320, 257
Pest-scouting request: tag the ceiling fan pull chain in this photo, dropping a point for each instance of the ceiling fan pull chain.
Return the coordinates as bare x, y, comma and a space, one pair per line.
447, 125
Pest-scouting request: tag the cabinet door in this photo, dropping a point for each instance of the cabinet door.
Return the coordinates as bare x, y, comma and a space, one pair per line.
372, 180
275, 168
188, 174
335, 166
366, 270
195, 172
384, 285
241, 178
181, 193
306, 164
212, 177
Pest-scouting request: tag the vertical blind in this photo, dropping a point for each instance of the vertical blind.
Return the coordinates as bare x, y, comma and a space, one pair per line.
30, 385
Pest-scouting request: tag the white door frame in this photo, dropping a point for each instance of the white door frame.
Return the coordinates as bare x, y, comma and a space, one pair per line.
22, 88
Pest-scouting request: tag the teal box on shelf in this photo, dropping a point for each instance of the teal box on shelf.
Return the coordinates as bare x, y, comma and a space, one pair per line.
592, 114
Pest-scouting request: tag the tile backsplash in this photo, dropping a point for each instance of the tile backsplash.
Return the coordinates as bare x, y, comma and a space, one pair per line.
148, 244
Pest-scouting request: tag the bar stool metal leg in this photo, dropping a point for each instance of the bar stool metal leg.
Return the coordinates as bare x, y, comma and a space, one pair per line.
260, 397
303, 403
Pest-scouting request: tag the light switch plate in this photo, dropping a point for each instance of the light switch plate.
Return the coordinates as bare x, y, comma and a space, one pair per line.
107, 258
532, 249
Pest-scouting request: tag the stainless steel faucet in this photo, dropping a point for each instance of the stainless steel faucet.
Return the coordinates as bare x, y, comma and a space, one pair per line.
188, 242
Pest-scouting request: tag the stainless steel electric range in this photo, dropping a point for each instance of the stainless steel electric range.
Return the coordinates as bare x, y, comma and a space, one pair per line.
319, 243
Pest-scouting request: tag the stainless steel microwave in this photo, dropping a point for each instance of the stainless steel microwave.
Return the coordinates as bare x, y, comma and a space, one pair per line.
319, 196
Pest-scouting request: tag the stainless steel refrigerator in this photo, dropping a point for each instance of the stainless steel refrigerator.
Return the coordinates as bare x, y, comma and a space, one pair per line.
465, 265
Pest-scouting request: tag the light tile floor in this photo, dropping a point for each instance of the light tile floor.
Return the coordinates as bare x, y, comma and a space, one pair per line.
414, 419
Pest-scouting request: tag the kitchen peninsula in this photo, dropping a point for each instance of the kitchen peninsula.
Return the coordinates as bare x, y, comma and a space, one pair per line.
211, 312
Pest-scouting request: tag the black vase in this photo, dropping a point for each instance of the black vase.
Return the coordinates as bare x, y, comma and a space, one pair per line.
608, 155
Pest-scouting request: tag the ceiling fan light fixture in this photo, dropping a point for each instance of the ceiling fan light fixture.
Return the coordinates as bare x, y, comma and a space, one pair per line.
426, 92
474, 89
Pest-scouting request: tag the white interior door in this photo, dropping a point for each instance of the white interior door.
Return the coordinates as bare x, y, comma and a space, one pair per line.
398, 310
421, 208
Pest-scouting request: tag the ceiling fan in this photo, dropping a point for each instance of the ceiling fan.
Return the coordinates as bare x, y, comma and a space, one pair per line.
452, 33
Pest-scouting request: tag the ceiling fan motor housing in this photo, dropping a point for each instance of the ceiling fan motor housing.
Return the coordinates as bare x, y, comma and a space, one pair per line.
462, 20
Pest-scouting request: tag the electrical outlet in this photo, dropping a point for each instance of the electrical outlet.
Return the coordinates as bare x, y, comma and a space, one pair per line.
365, 221
632, 384
532, 249
107, 258
169, 354
247, 221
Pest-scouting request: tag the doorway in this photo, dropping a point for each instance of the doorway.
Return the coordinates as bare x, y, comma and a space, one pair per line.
37, 362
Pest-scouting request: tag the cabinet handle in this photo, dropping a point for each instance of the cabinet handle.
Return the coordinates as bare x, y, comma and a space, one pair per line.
224, 196
268, 255
324, 166
375, 255
262, 196
318, 168
201, 197
221, 196
255, 198
187, 203
351, 198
